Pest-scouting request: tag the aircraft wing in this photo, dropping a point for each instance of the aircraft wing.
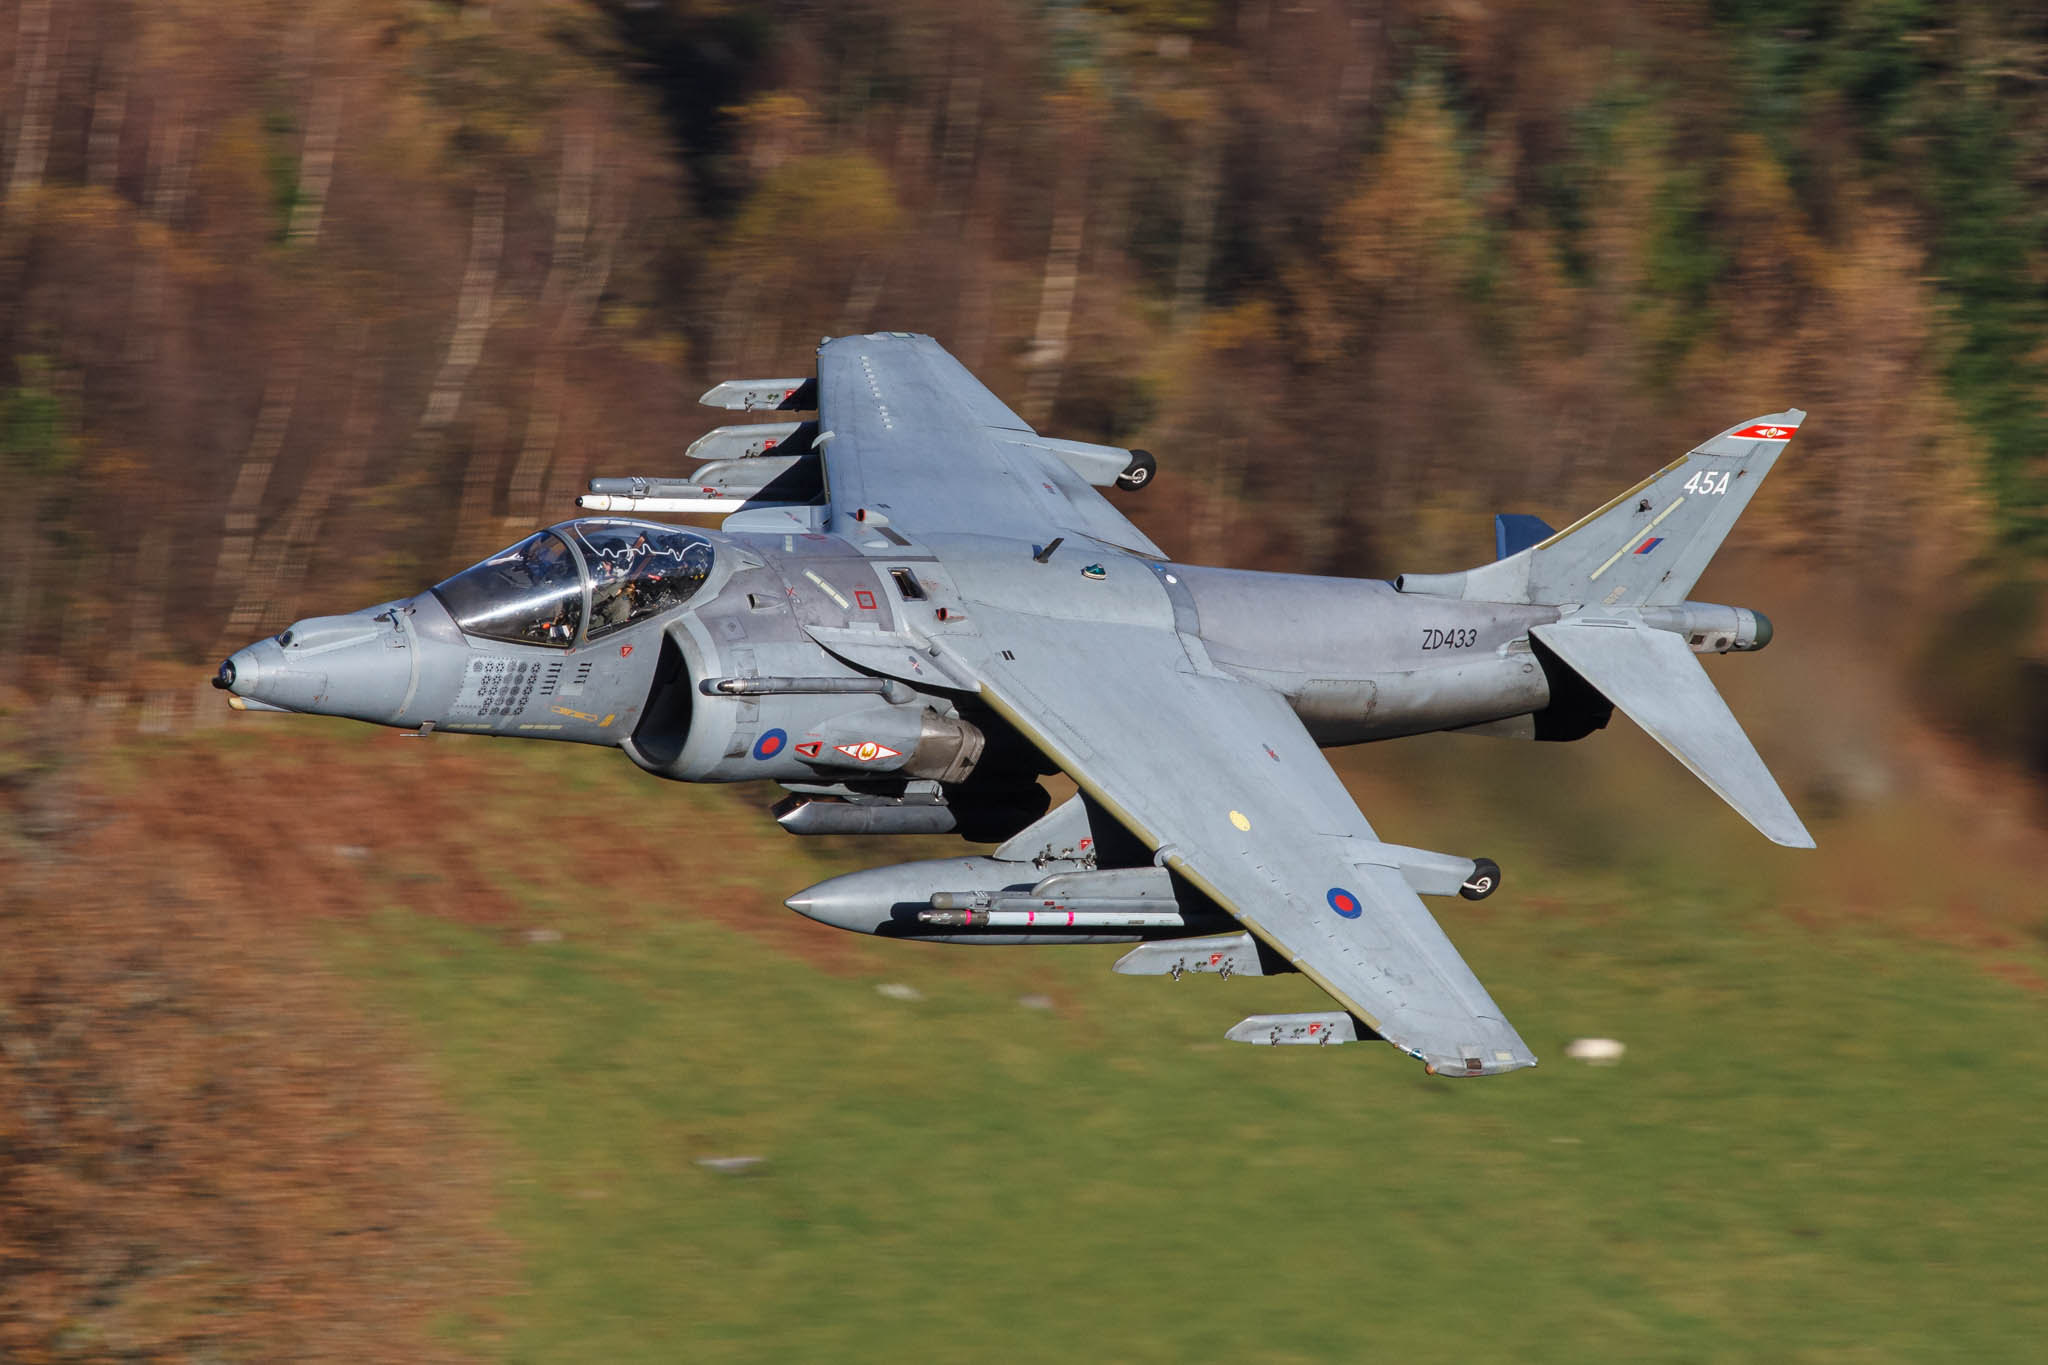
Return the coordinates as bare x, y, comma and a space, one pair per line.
1221, 778
908, 433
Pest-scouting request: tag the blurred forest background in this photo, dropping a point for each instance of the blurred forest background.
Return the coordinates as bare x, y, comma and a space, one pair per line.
305, 305
308, 303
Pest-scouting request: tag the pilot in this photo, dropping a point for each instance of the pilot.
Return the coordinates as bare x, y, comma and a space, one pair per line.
612, 604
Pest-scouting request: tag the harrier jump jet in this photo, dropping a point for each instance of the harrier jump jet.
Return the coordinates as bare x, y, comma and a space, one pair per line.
918, 606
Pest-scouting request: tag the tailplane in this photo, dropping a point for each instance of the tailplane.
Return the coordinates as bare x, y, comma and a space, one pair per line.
1655, 678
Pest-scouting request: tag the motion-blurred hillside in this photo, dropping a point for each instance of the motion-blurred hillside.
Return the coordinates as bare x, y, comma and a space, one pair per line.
306, 304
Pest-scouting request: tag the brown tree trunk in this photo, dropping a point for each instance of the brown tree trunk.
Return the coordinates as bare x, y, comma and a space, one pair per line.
577, 274
544, 415
472, 313
345, 471
148, 635
169, 162
866, 291
316, 168
1198, 228
275, 584
103, 143
1062, 273
32, 140
252, 481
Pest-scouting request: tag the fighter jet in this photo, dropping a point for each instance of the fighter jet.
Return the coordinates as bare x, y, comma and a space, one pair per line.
918, 606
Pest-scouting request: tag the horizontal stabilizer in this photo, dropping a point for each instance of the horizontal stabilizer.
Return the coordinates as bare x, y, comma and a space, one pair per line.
1654, 677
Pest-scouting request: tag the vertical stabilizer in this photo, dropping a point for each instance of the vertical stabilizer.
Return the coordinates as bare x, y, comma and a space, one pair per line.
1645, 548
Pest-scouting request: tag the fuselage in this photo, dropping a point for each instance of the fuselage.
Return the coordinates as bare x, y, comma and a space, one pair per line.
787, 649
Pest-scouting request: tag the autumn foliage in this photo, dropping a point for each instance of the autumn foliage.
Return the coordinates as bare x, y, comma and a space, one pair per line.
306, 305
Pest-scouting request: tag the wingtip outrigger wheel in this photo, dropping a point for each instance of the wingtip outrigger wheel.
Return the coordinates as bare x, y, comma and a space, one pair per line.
1139, 471
1484, 881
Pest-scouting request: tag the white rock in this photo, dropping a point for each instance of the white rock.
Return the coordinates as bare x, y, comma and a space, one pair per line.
543, 935
1035, 1002
897, 990
728, 1165
1595, 1051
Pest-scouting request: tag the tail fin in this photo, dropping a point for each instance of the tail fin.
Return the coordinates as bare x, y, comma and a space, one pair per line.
1648, 546
1646, 549
1654, 678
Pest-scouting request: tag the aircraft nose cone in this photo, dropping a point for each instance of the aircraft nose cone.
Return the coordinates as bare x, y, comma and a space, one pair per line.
241, 673
1763, 630
359, 665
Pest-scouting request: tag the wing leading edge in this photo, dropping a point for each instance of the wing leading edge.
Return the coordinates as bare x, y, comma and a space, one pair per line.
1219, 776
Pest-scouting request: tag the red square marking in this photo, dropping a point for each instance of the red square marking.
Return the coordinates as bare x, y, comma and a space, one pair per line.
865, 598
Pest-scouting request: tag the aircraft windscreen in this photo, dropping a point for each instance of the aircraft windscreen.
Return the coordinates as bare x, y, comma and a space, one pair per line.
530, 594
638, 570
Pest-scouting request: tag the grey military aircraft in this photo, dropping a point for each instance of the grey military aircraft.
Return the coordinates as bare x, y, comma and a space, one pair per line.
918, 606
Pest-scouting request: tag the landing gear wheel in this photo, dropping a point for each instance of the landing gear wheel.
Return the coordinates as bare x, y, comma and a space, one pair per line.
1484, 881
1138, 472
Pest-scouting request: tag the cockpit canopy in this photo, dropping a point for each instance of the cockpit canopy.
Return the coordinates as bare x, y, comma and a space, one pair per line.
580, 580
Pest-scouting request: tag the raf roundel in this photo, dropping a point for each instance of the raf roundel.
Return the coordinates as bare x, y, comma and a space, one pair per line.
770, 744
1344, 903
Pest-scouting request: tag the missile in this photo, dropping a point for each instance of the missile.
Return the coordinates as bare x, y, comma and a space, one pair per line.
1002, 914
609, 502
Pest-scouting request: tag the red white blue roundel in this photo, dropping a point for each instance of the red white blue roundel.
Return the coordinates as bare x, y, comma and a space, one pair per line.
770, 744
1344, 903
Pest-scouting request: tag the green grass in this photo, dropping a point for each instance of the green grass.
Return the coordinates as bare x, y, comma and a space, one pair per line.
1822, 1146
